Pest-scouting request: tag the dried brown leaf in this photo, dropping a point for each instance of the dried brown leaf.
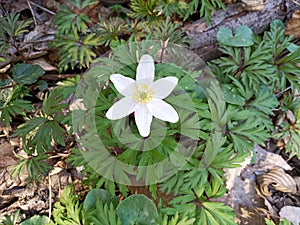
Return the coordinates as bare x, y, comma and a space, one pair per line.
278, 179
293, 25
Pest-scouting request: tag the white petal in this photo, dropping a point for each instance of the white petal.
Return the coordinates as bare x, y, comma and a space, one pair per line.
162, 110
121, 108
143, 120
145, 70
123, 84
163, 87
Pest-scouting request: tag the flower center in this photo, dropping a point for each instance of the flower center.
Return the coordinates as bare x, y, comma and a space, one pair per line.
142, 93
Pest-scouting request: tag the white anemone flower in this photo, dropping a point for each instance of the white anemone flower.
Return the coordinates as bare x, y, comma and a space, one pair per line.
143, 96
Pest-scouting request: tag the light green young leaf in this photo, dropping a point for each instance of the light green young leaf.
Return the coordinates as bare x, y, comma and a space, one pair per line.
175, 220
216, 213
242, 37
68, 211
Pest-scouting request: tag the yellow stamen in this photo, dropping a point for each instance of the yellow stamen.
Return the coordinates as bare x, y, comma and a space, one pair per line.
142, 93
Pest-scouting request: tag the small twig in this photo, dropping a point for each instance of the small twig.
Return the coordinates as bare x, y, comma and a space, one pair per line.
284, 91
43, 8
6, 87
32, 12
164, 47
50, 198
57, 76
297, 3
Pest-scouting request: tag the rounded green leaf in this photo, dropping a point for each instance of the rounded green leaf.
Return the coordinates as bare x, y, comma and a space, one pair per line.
242, 37
36, 220
26, 73
103, 195
137, 209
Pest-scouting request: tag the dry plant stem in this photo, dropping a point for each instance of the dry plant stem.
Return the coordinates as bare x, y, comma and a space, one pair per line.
32, 12
41, 7
57, 76
283, 92
15, 45
50, 198
164, 46
9, 86
6, 87
297, 3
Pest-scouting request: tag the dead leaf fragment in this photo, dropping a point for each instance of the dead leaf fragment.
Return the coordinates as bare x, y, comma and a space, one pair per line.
293, 25
253, 5
290, 117
44, 64
278, 179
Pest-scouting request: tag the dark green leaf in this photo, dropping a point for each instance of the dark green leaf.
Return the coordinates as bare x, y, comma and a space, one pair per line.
26, 73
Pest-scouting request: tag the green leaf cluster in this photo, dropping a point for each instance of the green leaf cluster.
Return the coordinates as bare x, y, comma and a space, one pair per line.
196, 181
252, 77
41, 130
202, 178
101, 207
156, 10
289, 132
11, 219
35, 165
12, 102
74, 19
207, 8
285, 58
112, 30
44, 130
76, 49
10, 30
118, 136
77, 42
74, 38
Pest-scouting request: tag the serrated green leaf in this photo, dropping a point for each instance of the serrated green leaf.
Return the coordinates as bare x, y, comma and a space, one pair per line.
52, 103
29, 126
217, 213
13, 108
26, 73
